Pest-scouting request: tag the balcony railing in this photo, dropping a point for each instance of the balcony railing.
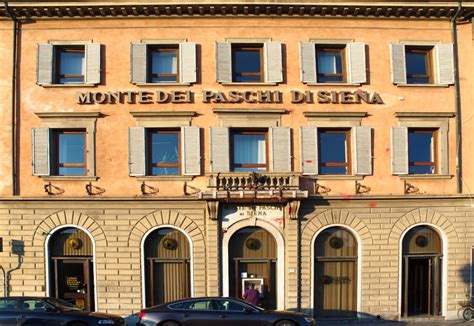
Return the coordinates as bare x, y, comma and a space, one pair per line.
254, 186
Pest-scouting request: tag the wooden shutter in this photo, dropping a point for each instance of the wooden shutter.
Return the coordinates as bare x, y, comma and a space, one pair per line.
40, 151
362, 150
398, 67
356, 62
191, 150
280, 146
44, 65
445, 63
309, 150
220, 149
224, 62
138, 62
92, 63
187, 52
443, 155
273, 60
308, 62
136, 151
399, 150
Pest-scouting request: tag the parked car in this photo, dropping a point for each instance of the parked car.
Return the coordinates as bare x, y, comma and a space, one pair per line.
34, 311
217, 311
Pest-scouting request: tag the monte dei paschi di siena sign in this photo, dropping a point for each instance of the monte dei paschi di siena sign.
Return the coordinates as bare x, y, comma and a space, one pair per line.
231, 96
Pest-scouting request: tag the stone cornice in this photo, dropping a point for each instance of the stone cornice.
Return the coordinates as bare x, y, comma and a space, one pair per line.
31, 10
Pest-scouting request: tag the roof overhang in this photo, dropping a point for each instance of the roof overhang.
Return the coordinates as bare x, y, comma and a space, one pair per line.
279, 8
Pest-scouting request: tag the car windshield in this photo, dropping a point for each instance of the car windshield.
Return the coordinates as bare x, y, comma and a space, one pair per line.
62, 305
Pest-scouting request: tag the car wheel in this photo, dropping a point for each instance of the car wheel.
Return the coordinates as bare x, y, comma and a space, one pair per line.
285, 323
170, 323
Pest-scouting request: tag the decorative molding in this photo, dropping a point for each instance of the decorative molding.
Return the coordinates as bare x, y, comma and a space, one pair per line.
247, 111
163, 119
137, 9
338, 114
68, 115
426, 115
213, 209
293, 209
160, 114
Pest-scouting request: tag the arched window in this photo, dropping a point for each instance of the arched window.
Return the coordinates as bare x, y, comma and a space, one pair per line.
335, 251
167, 266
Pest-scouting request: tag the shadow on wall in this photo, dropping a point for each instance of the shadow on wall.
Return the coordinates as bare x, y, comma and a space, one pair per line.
18, 249
467, 278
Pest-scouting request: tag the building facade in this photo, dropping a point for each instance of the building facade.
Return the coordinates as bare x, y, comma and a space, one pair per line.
321, 151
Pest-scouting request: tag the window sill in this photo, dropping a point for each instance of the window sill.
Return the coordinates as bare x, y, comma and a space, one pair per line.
425, 176
66, 85
161, 84
423, 85
337, 177
68, 178
166, 178
250, 84
333, 84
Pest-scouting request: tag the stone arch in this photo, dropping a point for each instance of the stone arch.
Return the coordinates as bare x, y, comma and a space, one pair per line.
166, 217
69, 218
422, 216
335, 217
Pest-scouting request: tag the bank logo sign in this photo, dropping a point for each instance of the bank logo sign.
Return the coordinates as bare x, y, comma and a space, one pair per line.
232, 96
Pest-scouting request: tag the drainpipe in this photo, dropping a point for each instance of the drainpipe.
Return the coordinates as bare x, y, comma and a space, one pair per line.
457, 97
13, 95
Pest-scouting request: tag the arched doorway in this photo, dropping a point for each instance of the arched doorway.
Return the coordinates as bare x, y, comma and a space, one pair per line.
167, 266
421, 272
71, 274
253, 259
335, 273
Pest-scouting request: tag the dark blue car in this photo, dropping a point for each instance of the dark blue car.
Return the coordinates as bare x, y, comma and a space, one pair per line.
33, 311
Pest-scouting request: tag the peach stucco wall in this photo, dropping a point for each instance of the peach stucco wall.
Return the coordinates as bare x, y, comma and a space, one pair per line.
112, 136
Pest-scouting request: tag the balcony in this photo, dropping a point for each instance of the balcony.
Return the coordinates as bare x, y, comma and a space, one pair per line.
264, 187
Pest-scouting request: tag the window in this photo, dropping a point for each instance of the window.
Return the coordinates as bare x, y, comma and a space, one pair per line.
247, 63
163, 152
334, 151
333, 61
419, 64
156, 62
199, 304
69, 152
163, 64
231, 305
8, 304
422, 149
331, 64
70, 64
249, 150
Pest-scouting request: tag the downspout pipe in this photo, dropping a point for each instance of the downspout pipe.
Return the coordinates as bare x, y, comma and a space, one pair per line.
457, 99
13, 96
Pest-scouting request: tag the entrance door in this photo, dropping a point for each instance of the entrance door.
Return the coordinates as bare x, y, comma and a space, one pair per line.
74, 281
422, 286
421, 272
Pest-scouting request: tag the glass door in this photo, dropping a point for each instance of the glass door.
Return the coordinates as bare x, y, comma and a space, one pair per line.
74, 282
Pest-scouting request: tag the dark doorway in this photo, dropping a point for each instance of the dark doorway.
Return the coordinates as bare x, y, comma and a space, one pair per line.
167, 266
421, 276
252, 260
72, 267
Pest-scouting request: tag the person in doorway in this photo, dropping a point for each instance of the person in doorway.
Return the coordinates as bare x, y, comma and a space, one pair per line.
252, 295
